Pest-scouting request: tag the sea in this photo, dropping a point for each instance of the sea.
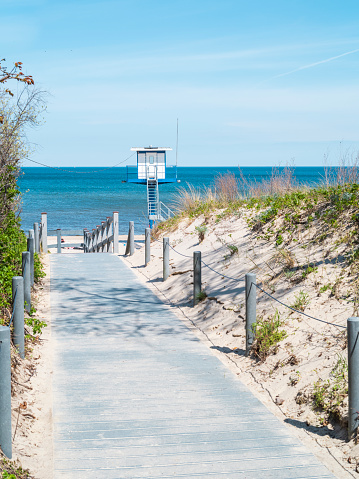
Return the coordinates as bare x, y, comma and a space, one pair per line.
78, 198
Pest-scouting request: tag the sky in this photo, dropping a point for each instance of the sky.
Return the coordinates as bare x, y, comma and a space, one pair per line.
254, 83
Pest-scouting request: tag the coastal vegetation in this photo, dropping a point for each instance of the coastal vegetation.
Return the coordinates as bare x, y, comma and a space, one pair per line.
303, 244
17, 114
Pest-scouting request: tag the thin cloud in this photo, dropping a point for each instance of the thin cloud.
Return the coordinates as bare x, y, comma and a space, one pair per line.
311, 65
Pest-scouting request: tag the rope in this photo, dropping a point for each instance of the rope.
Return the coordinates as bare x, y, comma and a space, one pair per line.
223, 275
257, 286
81, 172
184, 255
13, 308
296, 310
209, 267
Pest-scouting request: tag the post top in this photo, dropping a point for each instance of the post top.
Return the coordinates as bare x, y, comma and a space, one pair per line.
250, 274
4, 329
44, 213
353, 319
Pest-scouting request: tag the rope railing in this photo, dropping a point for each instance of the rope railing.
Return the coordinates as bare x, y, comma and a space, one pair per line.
296, 310
242, 278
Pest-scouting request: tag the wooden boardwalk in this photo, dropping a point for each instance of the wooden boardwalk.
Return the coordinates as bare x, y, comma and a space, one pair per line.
136, 395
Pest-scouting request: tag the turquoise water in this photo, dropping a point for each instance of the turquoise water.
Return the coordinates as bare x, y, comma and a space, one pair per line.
82, 197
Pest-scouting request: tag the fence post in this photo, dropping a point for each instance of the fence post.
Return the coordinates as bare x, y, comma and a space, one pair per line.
58, 233
37, 237
115, 232
93, 240
130, 246
103, 236
97, 232
5, 392
44, 232
109, 222
30, 248
166, 258
147, 246
197, 276
84, 233
27, 279
18, 311
251, 305
353, 376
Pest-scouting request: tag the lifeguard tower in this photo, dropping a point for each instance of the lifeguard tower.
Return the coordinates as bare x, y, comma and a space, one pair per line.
152, 170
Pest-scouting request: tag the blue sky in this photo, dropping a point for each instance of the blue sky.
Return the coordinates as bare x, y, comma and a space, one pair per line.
252, 83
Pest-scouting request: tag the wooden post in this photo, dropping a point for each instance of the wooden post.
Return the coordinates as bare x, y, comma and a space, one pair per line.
27, 279
58, 233
5, 392
30, 247
18, 311
166, 258
115, 232
197, 276
147, 246
130, 246
104, 236
353, 377
44, 232
251, 305
94, 244
108, 232
37, 237
84, 240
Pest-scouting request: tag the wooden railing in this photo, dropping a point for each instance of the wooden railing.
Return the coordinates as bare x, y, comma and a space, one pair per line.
103, 238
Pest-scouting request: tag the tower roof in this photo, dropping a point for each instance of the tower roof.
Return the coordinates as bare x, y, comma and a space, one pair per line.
151, 148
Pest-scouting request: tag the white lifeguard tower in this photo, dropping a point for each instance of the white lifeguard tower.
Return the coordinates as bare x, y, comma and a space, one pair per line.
152, 170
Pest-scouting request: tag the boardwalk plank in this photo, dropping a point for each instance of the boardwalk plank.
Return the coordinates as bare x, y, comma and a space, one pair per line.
137, 395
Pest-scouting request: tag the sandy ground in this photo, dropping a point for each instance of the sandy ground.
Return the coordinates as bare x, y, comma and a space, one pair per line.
32, 399
306, 355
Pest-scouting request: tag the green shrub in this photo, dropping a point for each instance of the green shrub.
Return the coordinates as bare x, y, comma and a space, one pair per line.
36, 324
233, 249
201, 230
12, 244
267, 334
301, 301
9, 470
201, 296
38, 268
329, 395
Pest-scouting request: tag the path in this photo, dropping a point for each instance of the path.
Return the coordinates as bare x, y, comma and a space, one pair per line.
137, 395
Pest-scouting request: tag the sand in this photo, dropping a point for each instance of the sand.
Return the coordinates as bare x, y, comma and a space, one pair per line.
32, 401
307, 354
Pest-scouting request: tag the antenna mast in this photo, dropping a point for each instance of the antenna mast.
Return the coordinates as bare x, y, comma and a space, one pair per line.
177, 144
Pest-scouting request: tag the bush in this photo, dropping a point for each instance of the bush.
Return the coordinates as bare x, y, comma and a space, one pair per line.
201, 230
329, 395
201, 296
267, 336
38, 269
12, 243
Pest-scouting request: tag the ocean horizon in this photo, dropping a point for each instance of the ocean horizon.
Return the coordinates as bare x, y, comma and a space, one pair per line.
82, 197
